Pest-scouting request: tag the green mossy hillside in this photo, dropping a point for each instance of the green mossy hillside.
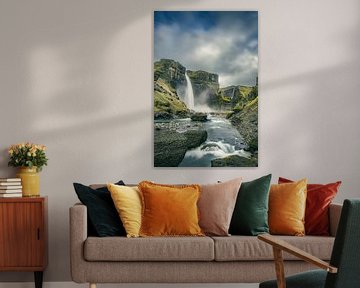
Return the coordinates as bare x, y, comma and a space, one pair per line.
166, 101
236, 97
246, 121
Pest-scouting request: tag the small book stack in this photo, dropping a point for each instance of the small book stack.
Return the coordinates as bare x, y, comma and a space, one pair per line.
10, 187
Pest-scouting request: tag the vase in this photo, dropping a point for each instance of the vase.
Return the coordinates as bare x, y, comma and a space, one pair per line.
30, 181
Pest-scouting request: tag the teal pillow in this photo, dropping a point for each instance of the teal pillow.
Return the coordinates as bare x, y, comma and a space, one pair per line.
250, 216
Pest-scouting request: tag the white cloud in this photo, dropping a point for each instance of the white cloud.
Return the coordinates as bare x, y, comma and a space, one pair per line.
228, 49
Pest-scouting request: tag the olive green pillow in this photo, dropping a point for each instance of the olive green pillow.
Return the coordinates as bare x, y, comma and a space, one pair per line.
250, 216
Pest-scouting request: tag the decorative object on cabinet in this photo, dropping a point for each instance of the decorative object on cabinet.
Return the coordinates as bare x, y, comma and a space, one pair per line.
10, 187
30, 158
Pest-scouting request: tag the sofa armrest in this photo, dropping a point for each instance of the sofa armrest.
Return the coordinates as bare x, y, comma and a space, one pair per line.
334, 217
78, 235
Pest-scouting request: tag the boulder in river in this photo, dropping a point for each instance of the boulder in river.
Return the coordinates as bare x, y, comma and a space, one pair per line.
200, 117
163, 116
170, 146
195, 138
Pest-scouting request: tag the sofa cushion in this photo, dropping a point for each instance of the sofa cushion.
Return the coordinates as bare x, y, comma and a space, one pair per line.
149, 249
287, 204
103, 218
243, 248
169, 210
250, 215
216, 206
318, 199
127, 201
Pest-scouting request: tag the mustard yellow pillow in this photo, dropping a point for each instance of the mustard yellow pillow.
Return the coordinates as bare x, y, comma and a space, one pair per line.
127, 201
169, 210
287, 204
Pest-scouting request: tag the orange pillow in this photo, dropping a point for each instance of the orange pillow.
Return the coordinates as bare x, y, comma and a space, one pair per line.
318, 200
169, 210
287, 204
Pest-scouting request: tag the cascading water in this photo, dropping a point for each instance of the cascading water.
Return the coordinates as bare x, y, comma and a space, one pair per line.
223, 140
189, 97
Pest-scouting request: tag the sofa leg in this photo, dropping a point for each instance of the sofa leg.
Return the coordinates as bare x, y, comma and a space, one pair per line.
92, 285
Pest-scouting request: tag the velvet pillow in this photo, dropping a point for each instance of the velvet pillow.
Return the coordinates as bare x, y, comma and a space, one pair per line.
287, 204
127, 201
216, 206
319, 197
250, 215
102, 214
169, 210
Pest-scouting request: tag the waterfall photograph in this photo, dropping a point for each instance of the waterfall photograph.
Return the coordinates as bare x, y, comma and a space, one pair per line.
205, 89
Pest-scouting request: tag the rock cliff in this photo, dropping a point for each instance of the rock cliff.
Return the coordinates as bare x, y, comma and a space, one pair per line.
245, 119
168, 75
170, 71
235, 97
206, 87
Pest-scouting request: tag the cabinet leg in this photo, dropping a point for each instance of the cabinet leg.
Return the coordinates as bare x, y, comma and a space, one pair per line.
38, 279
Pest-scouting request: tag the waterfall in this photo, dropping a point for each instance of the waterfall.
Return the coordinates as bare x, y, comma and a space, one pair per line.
189, 97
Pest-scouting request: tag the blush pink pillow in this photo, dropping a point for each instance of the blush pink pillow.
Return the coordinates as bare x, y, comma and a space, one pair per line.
216, 206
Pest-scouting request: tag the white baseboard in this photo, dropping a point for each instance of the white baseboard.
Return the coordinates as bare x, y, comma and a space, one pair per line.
74, 285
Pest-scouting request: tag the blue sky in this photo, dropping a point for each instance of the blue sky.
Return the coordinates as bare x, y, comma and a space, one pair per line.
222, 42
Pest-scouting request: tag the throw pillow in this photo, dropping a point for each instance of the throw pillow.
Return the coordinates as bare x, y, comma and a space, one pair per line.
102, 214
216, 206
127, 201
319, 197
287, 208
250, 215
169, 210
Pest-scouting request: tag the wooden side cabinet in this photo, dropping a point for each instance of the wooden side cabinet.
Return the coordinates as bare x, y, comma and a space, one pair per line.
23, 235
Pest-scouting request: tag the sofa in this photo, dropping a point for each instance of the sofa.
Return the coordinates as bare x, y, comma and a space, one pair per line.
233, 259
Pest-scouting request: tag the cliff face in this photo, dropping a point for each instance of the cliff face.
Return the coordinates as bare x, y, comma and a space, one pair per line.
170, 71
170, 79
168, 75
203, 77
245, 117
235, 97
206, 87
166, 102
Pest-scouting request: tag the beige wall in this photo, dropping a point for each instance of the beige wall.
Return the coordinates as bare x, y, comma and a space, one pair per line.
77, 76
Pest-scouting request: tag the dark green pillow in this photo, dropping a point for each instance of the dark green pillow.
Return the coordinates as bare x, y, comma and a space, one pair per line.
250, 215
102, 215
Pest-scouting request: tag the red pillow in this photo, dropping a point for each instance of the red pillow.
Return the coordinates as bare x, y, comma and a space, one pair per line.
319, 197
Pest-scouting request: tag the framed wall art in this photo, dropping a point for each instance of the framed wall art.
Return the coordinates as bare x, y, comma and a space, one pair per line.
205, 89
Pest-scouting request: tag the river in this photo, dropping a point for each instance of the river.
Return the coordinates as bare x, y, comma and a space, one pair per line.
223, 140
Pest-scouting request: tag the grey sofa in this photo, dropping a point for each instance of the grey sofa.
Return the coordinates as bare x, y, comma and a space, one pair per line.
234, 259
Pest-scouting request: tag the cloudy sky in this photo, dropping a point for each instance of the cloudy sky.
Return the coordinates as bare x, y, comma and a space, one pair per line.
223, 42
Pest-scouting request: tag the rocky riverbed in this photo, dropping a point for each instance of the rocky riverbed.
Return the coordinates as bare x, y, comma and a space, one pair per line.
234, 161
187, 143
170, 146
